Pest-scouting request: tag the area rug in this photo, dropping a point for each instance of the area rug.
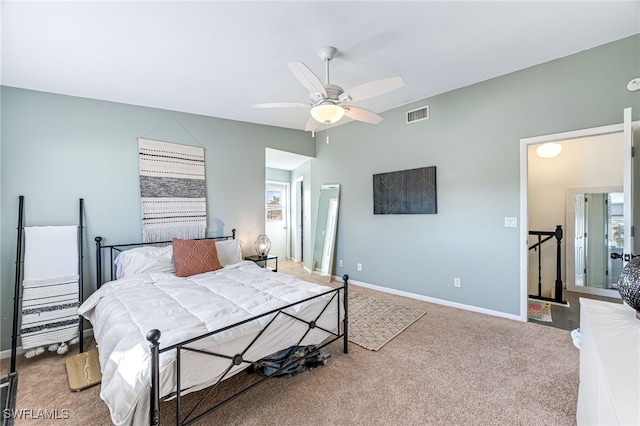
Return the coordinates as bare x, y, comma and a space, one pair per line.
540, 311
373, 321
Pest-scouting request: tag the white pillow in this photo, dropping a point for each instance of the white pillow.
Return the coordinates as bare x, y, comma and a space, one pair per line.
229, 251
142, 260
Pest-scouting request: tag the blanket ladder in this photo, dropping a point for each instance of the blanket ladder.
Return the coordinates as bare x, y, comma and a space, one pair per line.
12, 379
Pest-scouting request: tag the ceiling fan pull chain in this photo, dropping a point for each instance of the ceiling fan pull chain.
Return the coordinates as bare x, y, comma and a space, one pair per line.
327, 133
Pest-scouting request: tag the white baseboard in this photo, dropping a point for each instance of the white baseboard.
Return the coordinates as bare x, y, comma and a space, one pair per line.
20, 351
434, 300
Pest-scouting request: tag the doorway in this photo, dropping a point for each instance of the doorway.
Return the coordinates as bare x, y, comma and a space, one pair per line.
290, 168
571, 141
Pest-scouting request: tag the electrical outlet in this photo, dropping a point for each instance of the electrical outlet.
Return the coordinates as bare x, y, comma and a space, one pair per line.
340, 263
456, 282
359, 266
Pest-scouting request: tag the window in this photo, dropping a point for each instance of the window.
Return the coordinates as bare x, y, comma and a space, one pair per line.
275, 199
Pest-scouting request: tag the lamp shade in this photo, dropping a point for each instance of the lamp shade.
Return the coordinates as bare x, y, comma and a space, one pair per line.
629, 284
262, 245
548, 150
327, 113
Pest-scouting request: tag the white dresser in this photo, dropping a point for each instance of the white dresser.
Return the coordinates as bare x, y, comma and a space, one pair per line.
609, 392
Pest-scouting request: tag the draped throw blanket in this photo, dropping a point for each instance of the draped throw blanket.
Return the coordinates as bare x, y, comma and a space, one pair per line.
50, 289
172, 191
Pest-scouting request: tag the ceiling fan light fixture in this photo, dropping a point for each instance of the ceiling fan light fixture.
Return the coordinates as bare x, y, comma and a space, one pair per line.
326, 98
327, 112
548, 150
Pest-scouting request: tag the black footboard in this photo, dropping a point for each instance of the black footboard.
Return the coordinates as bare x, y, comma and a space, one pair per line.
338, 295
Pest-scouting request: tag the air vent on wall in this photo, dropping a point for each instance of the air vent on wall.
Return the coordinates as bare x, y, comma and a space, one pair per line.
418, 114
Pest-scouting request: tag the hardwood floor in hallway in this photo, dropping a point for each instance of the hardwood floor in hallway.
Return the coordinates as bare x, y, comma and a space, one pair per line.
568, 317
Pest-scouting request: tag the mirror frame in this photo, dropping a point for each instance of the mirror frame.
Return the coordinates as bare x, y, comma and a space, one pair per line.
326, 231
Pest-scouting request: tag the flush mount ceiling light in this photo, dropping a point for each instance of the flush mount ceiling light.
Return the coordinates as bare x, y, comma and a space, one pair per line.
634, 85
548, 150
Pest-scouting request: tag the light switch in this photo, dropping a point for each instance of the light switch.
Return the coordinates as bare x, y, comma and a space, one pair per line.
510, 222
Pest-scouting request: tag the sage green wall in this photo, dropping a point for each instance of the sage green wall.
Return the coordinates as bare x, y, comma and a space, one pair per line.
473, 139
56, 149
278, 175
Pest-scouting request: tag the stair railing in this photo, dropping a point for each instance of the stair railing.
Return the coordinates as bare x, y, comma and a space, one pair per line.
549, 235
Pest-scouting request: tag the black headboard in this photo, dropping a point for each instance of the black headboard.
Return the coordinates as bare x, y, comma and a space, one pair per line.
116, 249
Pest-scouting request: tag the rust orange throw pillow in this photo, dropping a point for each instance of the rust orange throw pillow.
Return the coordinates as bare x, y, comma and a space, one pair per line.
192, 257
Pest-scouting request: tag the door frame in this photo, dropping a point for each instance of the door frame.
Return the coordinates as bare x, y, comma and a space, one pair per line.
524, 195
297, 218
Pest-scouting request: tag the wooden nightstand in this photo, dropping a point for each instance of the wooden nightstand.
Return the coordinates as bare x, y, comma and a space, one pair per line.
264, 260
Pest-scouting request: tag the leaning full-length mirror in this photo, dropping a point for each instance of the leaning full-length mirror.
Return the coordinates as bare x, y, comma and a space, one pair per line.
326, 225
595, 236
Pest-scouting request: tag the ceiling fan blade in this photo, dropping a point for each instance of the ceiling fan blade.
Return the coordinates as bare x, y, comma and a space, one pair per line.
281, 105
372, 88
311, 125
308, 79
361, 114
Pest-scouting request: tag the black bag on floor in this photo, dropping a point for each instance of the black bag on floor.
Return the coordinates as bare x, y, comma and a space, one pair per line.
290, 361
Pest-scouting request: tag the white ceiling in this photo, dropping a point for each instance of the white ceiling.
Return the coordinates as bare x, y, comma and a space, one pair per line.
217, 58
284, 160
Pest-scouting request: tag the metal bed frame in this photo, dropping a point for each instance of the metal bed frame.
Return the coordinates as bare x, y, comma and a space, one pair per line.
339, 296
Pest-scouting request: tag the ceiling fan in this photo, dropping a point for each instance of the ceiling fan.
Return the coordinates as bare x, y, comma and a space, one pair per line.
329, 102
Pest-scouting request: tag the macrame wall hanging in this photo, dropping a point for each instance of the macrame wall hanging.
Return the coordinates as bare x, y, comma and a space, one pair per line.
172, 191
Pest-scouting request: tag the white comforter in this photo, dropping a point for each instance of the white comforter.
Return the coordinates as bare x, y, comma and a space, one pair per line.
122, 312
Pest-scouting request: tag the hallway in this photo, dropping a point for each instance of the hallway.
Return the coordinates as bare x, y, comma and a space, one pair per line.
568, 318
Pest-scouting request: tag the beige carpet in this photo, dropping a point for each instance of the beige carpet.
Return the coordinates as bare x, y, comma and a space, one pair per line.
374, 321
450, 367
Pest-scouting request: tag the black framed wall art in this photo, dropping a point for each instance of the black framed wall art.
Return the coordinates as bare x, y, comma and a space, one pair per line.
405, 192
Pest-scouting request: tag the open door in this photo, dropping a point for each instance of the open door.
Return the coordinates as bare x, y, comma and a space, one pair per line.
277, 218
628, 222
